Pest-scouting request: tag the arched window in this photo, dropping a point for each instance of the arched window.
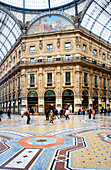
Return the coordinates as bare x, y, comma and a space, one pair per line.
49, 93
32, 94
68, 92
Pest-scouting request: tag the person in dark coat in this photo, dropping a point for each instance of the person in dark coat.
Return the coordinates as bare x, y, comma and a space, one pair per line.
90, 111
28, 116
9, 114
47, 113
1, 112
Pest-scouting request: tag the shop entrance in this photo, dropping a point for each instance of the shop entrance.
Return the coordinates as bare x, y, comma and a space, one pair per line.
68, 99
19, 104
32, 100
103, 102
85, 99
95, 100
49, 100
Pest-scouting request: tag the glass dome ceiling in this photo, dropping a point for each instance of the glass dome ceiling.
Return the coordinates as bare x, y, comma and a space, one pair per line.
97, 18
37, 4
9, 33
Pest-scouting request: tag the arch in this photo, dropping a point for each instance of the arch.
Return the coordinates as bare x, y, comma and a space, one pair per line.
85, 93
49, 93
85, 101
51, 14
103, 94
68, 99
68, 92
32, 94
95, 94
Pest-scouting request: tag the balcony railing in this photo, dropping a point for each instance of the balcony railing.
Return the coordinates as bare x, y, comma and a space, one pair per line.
55, 60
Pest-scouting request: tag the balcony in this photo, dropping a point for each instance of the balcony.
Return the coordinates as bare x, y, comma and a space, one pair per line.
68, 84
49, 84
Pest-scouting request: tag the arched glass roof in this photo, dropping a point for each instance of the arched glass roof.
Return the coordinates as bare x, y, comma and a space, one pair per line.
9, 33
37, 4
97, 18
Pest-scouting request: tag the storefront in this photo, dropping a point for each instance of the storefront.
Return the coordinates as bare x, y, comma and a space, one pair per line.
19, 104
95, 100
85, 100
103, 100
49, 99
14, 103
32, 100
68, 99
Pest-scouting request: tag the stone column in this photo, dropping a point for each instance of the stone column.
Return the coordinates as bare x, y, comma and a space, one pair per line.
91, 90
23, 92
40, 97
58, 97
78, 90
100, 92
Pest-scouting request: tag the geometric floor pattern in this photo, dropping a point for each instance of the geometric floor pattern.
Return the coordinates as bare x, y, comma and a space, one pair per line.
75, 144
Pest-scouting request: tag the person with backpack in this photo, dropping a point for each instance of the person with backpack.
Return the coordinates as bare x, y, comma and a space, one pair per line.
56, 113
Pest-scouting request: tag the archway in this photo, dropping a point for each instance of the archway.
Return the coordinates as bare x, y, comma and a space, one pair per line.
68, 99
10, 103
85, 97
14, 103
103, 102
19, 104
110, 99
32, 100
49, 99
95, 100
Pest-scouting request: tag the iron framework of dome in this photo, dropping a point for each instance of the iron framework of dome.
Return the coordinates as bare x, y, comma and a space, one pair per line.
97, 18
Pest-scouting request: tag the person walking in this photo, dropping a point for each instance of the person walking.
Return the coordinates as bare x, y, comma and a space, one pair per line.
67, 114
1, 112
47, 113
28, 116
109, 112
51, 116
9, 114
56, 113
90, 111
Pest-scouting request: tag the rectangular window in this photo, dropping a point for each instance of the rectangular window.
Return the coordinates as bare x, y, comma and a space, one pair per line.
49, 79
67, 57
32, 80
67, 45
9, 87
32, 49
13, 85
49, 59
32, 60
95, 52
67, 78
85, 79
104, 83
49, 47
19, 53
96, 82
14, 59
18, 82
103, 56
84, 47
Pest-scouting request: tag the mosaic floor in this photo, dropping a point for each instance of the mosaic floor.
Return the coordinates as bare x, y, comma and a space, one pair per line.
76, 143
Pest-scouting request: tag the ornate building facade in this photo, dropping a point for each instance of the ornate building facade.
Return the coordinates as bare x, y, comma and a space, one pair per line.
54, 64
